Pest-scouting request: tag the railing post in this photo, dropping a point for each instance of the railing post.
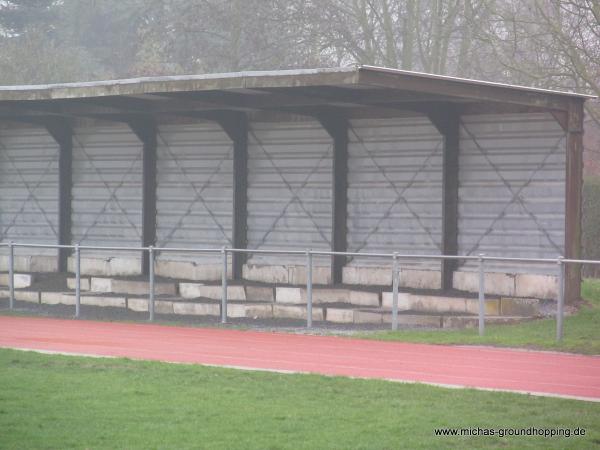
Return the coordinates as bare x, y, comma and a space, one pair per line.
151, 283
77, 281
395, 282
11, 274
224, 287
481, 296
309, 267
560, 312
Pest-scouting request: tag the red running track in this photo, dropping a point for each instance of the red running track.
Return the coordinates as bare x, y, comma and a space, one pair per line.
540, 373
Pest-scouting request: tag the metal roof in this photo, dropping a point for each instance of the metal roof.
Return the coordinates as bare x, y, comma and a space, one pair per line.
235, 80
294, 91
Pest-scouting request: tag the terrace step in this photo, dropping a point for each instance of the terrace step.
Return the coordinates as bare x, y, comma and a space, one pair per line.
328, 309
505, 306
131, 287
21, 280
327, 295
214, 291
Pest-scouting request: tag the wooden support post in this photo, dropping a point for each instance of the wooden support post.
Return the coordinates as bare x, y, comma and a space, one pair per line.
62, 132
235, 126
337, 127
146, 130
447, 121
573, 192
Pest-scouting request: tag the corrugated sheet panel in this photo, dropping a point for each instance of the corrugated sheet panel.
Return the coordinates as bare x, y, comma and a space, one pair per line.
195, 188
289, 187
512, 186
29, 188
107, 187
394, 187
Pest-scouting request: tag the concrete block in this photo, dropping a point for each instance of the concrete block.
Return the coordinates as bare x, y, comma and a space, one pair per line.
43, 264
197, 309
265, 274
137, 304
378, 276
31, 263
28, 296
240, 310
290, 295
84, 283
296, 312
367, 317
264, 311
139, 287
236, 311
415, 320
420, 279
101, 284
188, 270
320, 275
104, 301
190, 290
162, 306
131, 287
340, 315
331, 295
525, 307
538, 286
364, 298
21, 280
260, 294
403, 300
109, 266
23, 296
496, 283
141, 305
492, 306
215, 292
57, 298
326, 295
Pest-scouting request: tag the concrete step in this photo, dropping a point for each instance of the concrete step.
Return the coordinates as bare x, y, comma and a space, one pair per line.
84, 283
327, 295
21, 280
131, 287
214, 291
22, 295
505, 306
336, 312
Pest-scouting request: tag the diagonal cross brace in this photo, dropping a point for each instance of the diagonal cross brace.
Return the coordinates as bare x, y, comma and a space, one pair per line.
294, 192
515, 194
112, 192
198, 192
30, 196
399, 192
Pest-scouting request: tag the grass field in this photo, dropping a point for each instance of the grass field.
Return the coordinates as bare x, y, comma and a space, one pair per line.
581, 331
51, 401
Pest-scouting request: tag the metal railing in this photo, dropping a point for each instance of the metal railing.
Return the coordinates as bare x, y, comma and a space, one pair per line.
395, 257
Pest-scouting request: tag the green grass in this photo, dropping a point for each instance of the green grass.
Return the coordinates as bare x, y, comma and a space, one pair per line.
581, 331
51, 401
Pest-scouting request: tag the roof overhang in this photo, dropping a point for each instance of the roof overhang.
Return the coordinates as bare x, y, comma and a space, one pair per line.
308, 91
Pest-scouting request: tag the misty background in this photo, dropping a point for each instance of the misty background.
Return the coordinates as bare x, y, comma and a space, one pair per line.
552, 44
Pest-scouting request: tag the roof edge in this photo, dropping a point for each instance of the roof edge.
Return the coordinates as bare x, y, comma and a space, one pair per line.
471, 81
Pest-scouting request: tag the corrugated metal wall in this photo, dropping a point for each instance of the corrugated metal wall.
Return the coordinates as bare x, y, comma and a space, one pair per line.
512, 186
194, 188
107, 187
289, 188
394, 187
29, 188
